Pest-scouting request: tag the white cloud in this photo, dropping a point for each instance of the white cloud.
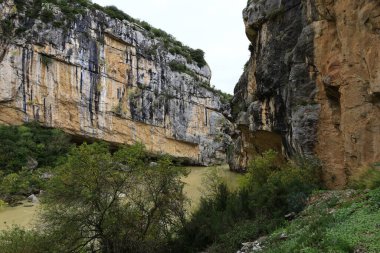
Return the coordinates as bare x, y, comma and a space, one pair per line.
215, 26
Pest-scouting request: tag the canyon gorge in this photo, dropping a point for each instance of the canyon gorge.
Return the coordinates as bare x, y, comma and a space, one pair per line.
310, 88
107, 79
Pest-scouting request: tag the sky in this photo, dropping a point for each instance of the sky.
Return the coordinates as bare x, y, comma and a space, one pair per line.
215, 26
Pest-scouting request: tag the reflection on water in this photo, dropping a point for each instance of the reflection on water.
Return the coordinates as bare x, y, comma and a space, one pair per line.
195, 187
199, 177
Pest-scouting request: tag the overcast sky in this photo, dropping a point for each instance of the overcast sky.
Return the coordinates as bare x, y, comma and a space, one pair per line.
215, 26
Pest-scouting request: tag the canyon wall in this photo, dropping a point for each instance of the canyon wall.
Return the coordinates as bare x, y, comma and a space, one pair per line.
312, 84
102, 78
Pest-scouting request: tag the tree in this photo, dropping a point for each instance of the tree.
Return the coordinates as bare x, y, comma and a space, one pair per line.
30, 142
103, 202
198, 56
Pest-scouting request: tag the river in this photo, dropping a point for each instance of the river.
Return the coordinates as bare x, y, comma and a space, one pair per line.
22, 215
196, 185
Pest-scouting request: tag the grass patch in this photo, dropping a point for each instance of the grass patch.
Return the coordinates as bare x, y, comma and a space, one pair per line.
345, 221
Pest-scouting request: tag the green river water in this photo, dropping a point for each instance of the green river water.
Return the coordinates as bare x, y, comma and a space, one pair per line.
195, 186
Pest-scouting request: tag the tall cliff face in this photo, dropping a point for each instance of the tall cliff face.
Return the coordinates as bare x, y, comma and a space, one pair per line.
311, 86
99, 77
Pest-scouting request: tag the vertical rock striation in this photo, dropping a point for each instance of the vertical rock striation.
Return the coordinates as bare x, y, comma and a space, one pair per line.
311, 86
103, 78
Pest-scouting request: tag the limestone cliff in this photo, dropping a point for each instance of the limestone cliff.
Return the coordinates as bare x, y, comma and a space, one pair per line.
312, 84
100, 77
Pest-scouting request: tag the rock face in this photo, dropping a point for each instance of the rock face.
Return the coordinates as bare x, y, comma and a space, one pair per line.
107, 79
312, 84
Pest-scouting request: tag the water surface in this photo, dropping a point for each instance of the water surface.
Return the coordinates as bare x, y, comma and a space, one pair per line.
22, 215
197, 184
201, 179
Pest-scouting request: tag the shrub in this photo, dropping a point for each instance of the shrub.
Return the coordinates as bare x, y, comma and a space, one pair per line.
277, 188
26, 153
367, 178
98, 201
47, 15
270, 190
20, 4
14, 186
198, 56
178, 67
6, 28
118, 109
31, 141
19, 240
114, 12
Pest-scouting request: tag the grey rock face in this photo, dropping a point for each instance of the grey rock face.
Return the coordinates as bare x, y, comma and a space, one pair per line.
277, 89
104, 78
310, 85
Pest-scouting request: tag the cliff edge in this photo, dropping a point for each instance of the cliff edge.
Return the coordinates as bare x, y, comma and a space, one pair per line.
95, 72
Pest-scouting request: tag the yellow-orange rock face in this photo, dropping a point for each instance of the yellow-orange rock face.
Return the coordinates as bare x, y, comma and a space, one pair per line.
313, 82
347, 48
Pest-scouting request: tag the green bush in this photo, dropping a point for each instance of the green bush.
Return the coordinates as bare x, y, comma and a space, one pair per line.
26, 153
114, 12
368, 178
198, 56
47, 15
20, 4
178, 67
98, 201
46, 60
270, 190
6, 28
2, 204
15, 186
20, 144
281, 188
19, 240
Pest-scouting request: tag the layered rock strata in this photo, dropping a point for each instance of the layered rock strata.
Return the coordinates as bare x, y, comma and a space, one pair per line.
107, 79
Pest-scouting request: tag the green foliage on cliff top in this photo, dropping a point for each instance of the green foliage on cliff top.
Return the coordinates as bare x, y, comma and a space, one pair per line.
71, 8
174, 46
